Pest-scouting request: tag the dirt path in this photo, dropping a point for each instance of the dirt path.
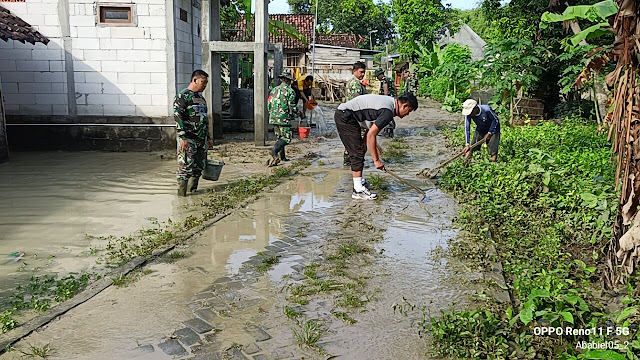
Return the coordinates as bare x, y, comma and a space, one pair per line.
303, 272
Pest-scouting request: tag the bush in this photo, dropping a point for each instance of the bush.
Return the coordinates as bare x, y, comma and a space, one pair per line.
446, 77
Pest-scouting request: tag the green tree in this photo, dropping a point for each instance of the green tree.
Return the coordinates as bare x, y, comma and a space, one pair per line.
350, 17
419, 22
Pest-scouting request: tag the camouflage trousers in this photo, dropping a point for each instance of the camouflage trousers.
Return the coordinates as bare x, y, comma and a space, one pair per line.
191, 163
283, 132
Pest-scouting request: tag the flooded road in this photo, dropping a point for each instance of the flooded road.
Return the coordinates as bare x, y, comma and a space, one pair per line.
216, 298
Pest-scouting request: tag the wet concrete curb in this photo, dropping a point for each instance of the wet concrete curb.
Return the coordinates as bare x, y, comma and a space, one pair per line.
495, 273
24, 330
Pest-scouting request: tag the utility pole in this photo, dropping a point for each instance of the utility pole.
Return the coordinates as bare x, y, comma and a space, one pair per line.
313, 56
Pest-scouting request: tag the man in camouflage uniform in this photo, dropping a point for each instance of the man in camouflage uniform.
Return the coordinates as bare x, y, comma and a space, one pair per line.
282, 107
387, 87
354, 84
354, 88
190, 113
410, 82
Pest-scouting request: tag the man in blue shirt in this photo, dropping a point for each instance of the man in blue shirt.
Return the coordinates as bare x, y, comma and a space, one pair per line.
487, 127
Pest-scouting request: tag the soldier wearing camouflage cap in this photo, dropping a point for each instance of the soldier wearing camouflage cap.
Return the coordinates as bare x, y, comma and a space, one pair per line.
282, 107
190, 113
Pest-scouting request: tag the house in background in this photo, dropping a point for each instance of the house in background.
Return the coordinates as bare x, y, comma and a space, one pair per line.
15, 29
335, 53
465, 36
107, 78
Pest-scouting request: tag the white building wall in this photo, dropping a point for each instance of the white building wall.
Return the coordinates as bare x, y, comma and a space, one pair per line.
33, 78
118, 70
188, 41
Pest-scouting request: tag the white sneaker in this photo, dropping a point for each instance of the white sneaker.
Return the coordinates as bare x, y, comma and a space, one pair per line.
365, 194
366, 184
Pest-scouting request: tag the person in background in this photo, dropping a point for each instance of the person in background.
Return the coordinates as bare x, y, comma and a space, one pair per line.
192, 130
282, 107
371, 112
410, 82
302, 87
487, 127
355, 87
387, 87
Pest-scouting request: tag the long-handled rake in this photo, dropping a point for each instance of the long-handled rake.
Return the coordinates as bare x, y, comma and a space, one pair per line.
431, 173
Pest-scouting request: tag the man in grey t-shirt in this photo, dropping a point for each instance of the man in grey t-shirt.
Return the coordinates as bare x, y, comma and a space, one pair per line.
371, 112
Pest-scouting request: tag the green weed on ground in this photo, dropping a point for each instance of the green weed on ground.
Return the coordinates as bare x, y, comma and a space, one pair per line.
548, 205
396, 150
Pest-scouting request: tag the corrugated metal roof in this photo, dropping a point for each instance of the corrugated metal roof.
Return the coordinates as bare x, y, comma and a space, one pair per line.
342, 40
14, 28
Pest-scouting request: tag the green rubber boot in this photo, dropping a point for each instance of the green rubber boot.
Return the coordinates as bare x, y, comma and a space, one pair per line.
182, 187
194, 184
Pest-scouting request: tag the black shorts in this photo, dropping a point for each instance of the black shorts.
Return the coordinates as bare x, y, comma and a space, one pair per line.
351, 136
307, 92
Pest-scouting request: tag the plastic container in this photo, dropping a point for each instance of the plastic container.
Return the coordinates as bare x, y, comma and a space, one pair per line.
304, 131
212, 170
311, 104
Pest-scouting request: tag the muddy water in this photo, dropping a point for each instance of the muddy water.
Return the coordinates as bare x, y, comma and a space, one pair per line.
51, 201
119, 320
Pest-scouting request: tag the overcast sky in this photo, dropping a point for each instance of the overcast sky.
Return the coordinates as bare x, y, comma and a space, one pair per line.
282, 7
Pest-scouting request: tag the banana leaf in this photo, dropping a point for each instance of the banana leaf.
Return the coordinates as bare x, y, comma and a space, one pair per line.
596, 12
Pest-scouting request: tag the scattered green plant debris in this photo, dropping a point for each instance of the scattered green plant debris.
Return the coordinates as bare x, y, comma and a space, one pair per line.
309, 332
33, 351
7, 320
292, 313
119, 280
267, 263
344, 317
174, 256
377, 182
395, 150
42, 290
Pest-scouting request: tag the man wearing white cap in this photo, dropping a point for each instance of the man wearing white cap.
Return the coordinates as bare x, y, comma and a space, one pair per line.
487, 127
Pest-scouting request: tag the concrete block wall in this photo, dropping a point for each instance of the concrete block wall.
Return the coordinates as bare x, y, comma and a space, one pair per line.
117, 70
34, 80
188, 41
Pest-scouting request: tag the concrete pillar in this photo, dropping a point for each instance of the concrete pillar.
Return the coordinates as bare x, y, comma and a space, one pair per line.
233, 71
206, 58
216, 74
278, 62
65, 29
4, 145
260, 72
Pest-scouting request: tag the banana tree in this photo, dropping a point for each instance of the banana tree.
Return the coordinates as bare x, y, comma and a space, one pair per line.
623, 123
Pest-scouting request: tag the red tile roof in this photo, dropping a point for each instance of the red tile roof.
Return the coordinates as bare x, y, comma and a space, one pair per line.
14, 28
304, 24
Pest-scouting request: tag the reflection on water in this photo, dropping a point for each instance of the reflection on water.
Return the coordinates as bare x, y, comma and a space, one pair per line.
51, 201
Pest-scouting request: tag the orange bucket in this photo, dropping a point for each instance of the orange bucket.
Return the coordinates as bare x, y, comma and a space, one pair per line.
304, 132
311, 104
